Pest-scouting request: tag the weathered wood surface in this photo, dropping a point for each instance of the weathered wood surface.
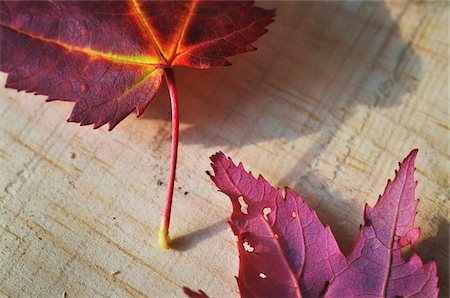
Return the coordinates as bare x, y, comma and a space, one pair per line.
335, 96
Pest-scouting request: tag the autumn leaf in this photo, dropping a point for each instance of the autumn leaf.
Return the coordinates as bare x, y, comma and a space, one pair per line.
279, 238
284, 250
375, 264
109, 57
194, 294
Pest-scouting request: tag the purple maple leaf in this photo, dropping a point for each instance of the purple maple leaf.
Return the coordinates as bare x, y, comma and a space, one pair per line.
285, 251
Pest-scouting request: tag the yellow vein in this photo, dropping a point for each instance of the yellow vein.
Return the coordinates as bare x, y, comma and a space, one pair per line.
138, 83
204, 43
125, 59
185, 26
148, 28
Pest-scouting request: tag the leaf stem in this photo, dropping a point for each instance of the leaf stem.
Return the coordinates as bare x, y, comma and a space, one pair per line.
163, 237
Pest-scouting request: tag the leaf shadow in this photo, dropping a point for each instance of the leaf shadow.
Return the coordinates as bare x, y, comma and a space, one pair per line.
190, 240
287, 88
325, 202
437, 248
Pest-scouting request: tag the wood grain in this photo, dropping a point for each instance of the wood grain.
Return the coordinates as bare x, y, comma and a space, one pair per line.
335, 96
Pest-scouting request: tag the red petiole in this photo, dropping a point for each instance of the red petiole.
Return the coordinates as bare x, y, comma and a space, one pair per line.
163, 237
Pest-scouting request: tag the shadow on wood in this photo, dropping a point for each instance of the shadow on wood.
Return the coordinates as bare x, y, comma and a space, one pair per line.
254, 101
190, 240
432, 248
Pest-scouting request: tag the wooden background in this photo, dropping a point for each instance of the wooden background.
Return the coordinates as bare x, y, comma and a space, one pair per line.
335, 96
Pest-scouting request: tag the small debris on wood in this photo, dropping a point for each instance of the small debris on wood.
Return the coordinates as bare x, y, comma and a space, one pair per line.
114, 273
208, 173
159, 183
72, 155
185, 193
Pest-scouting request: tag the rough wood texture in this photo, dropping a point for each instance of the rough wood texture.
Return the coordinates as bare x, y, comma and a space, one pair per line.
335, 96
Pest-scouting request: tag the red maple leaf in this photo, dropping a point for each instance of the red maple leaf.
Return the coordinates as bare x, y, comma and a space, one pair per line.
285, 251
194, 294
109, 57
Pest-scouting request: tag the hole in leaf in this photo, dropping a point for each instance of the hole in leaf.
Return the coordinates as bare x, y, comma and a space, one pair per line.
243, 204
294, 215
262, 275
406, 252
248, 247
266, 212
